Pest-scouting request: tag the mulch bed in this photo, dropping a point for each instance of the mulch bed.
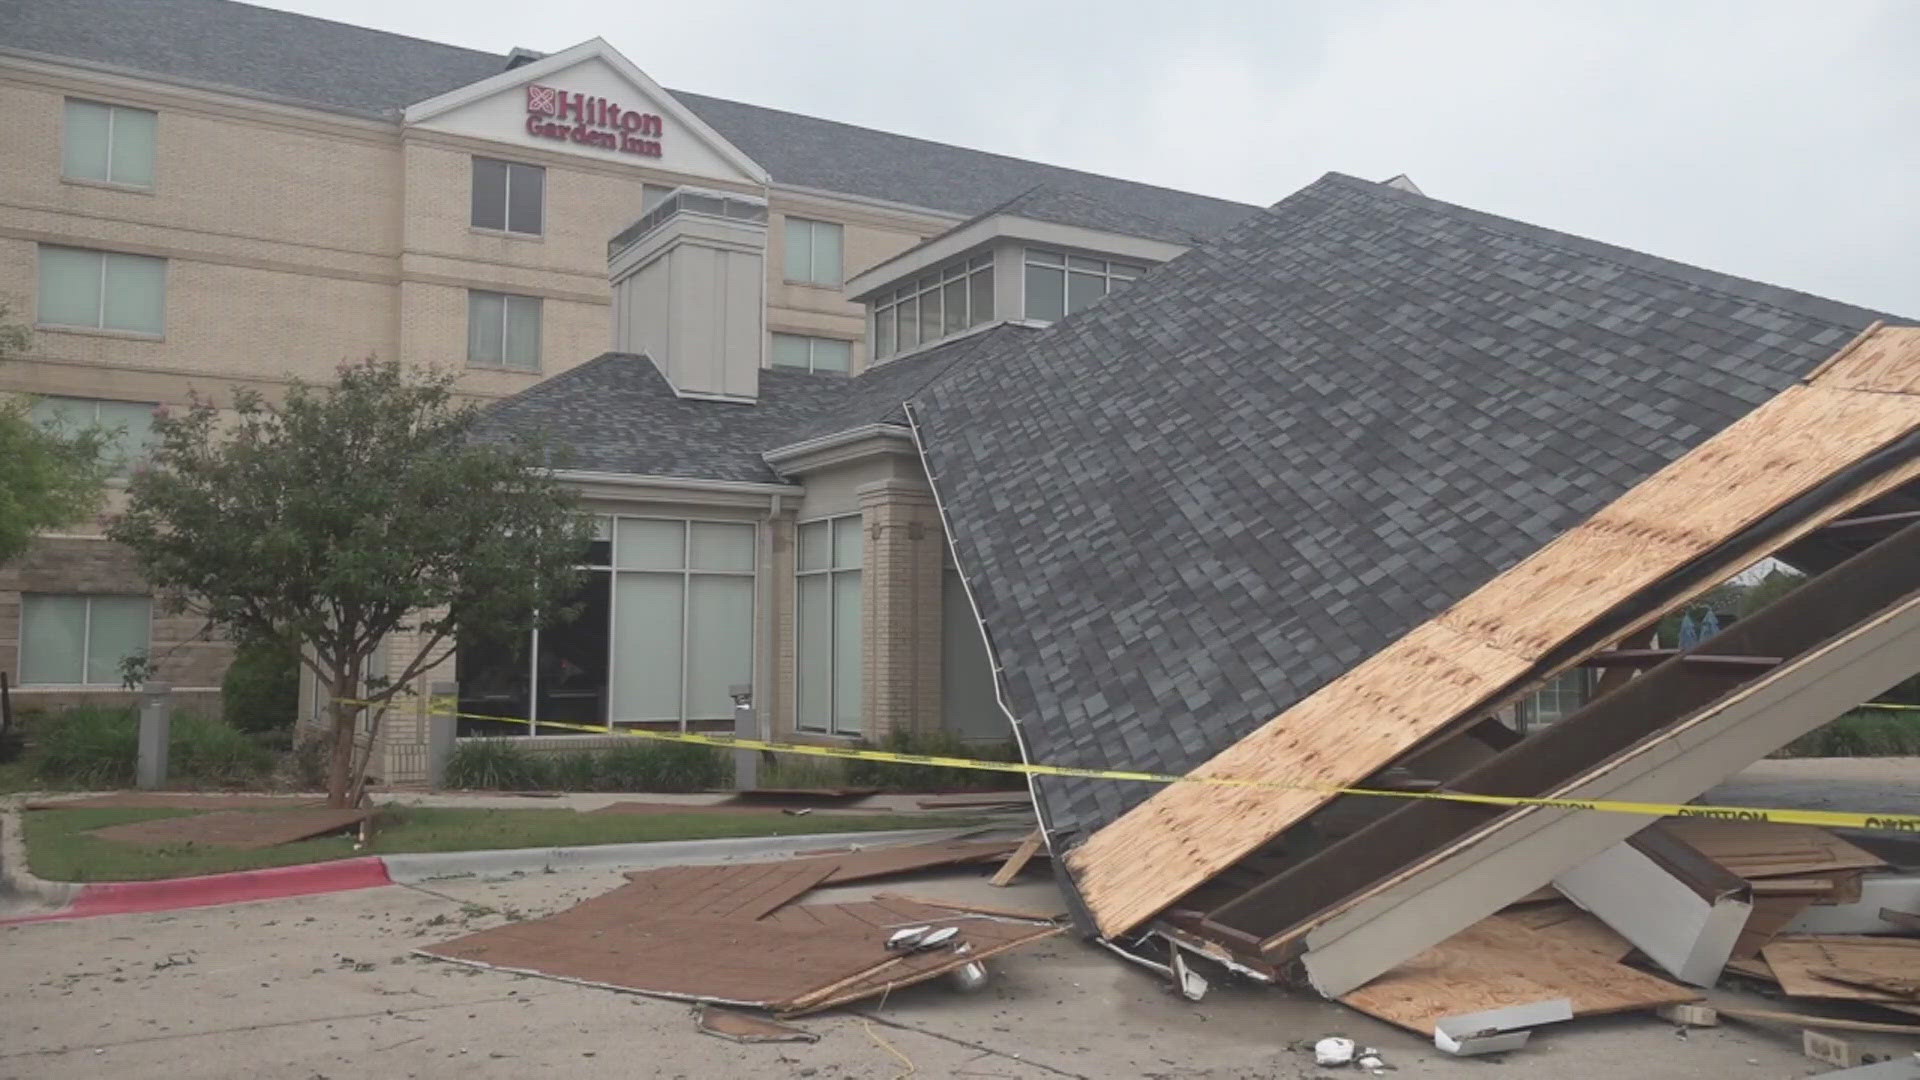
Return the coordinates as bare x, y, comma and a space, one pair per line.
239, 830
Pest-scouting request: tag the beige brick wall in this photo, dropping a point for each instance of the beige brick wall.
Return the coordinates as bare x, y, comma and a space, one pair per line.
901, 609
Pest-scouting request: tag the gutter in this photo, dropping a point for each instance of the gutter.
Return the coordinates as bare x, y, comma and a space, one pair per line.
690, 483
848, 437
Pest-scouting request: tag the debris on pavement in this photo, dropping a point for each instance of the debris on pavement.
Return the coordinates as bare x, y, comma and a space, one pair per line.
1497, 1029
743, 1027
1333, 1050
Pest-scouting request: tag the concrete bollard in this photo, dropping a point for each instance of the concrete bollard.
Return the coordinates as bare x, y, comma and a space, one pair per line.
746, 763
443, 699
156, 728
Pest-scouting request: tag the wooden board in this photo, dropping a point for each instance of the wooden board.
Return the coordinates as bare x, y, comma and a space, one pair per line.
1763, 849
1769, 916
1496, 963
745, 891
1795, 962
1017, 861
747, 1028
1457, 665
238, 830
1566, 923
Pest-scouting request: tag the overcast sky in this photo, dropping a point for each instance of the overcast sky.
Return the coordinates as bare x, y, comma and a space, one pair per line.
1778, 141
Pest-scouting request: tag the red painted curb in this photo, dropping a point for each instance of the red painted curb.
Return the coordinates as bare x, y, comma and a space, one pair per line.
138, 897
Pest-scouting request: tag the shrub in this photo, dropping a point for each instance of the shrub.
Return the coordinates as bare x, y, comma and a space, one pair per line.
574, 770
308, 761
663, 767
892, 776
98, 747
261, 691
92, 746
495, 765
1860, 733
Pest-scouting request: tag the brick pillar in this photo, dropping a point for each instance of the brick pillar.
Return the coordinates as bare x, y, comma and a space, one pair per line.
900, 586
401, 757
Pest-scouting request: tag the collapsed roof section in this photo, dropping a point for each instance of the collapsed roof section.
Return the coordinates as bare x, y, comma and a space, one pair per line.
1187, 510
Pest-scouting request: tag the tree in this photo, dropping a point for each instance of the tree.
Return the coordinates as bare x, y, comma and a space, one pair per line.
49, 477
345, 516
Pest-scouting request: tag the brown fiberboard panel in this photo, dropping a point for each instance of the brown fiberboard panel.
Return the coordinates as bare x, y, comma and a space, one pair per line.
1769, 916
1796, 960
1497, 963
1440, 673
740, 891
1764, 849
240, 830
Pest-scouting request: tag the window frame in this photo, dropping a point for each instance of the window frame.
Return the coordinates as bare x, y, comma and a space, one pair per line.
830, 727
686, 573
506, 198
86, 638
935, 281
1111, 274
506, 310
133, 458
99, 325
813, 360
113, 111
813, 268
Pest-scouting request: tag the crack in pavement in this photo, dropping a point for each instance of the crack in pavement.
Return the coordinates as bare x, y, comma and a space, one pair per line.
145, 1039
957, 1041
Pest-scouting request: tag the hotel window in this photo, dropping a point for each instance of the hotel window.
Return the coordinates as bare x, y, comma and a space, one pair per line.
503, 330
127, 424
828, 625
813, 252
101, 290
937, 304
812, 353
508, 197
80, 640
109, 143
1558, 698
1059, 285
682, 618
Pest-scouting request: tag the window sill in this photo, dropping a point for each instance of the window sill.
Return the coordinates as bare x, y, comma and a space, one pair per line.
98, 331
816, 285
504, 234
108, 185
479, 366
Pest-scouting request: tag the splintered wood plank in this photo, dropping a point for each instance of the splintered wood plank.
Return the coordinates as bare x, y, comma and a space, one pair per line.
1769, 916
1497, 963
1797, 961
1566, 923
1456, 666
1763, 849
1017, 861
240, 830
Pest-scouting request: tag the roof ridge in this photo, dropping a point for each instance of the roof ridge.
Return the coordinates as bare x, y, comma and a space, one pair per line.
968, 149
1626, 258
284, 13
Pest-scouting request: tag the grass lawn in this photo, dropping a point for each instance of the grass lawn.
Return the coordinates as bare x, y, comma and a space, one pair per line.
59, 847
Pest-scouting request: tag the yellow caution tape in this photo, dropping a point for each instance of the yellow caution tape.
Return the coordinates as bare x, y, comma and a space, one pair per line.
1827, 818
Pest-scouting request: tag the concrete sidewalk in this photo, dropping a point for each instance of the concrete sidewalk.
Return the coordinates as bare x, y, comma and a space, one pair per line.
326, 986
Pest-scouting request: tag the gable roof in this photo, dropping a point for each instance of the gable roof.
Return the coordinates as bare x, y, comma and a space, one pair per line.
300, 59
1185, 509
618, 414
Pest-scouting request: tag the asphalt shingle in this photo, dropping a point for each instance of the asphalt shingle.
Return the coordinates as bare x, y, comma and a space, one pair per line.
1193, 504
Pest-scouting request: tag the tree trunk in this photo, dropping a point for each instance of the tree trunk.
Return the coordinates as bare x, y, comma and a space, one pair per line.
340, 767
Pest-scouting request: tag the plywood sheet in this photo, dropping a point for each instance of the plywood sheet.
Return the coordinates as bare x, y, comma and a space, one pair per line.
175, 800
1566, 923
1498, 963
1794, 961
746, 891
867, 863
240, 830
1763, 849
1439, 672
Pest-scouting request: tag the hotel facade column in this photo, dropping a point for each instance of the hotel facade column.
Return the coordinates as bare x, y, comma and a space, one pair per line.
901, 608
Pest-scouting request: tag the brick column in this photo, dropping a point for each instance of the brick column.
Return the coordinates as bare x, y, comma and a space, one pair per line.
900, 586
401, 757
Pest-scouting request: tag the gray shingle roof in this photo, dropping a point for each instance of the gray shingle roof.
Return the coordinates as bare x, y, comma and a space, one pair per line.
299, 58
1195, 503
616, 413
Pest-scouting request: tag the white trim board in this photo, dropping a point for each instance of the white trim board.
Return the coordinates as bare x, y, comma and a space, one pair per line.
1688, 935
1504, 861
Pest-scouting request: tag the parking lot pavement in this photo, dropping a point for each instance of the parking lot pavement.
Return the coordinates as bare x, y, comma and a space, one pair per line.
324, 986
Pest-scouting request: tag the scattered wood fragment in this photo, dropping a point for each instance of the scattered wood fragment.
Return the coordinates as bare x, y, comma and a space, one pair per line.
1802, 1019
1769, 916
1017, 861
1498, 963
1764, 849
1898, 985
744, 1027
1796, 961
976, 909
